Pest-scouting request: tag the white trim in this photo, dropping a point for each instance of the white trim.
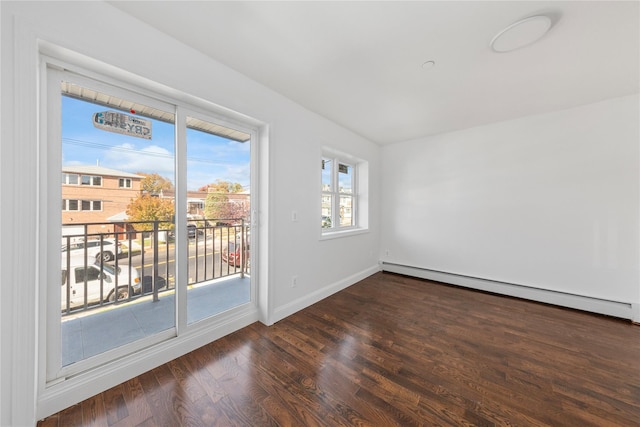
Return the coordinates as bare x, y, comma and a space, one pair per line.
22, 155
636, 313
182, 262
580, 302
261, 209
50, 151
328, 235
254, 203
111, 75
320, 294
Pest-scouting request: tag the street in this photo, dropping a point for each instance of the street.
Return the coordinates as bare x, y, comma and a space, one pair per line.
204, 261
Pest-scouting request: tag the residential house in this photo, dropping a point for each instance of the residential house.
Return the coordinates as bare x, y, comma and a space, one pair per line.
95, 194
196, 201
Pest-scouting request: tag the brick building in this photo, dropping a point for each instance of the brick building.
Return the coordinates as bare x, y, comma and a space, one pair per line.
93, 194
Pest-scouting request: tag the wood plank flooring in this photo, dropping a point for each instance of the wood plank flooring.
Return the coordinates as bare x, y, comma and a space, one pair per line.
393, 351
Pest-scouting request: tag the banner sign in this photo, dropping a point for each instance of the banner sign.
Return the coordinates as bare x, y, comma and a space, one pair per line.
113, 121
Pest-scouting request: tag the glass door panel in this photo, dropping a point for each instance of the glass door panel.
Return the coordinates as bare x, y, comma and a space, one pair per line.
218, 210
117, 220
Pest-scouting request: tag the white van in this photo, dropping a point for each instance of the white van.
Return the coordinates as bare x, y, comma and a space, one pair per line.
107, 249
101, 283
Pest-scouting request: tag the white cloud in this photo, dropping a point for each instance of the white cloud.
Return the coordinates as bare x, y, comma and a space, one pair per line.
200, 176
227, 162
150, 159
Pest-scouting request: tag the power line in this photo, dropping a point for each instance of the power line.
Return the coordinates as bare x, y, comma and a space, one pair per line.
97, 145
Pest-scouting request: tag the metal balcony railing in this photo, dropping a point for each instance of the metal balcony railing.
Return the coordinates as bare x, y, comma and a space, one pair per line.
100, 269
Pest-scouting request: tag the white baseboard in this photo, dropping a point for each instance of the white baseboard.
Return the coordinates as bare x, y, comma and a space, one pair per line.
595, 305
301, 303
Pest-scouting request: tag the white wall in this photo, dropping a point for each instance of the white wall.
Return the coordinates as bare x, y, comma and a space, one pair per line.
99, 31
548, 201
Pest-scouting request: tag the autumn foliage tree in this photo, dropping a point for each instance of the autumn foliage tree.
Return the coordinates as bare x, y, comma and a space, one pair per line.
221, 186
218, 204
154, 183
150, 208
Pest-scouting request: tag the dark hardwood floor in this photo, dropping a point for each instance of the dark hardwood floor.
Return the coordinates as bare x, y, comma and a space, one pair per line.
393, 350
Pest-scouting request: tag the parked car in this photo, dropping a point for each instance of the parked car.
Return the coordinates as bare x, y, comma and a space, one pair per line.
247, 236
232, 254
147, 284
107, 250
98, 278
191, 230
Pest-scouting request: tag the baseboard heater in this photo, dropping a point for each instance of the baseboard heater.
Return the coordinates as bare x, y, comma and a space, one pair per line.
595, 305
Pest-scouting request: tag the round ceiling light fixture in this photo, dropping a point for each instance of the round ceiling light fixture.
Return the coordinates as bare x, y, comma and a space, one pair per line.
521, 33
429, 64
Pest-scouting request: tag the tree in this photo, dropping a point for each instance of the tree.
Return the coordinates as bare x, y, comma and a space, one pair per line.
214, 205
221, 186
217, 204
153, 183
150, 208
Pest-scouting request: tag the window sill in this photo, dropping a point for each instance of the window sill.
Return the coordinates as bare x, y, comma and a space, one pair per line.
328, 235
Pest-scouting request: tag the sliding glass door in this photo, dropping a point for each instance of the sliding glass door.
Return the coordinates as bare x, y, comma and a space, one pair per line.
149, 206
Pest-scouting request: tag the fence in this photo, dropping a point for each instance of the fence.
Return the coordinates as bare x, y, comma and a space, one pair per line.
101, 269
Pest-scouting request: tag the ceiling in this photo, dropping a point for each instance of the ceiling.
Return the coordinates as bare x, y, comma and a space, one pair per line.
359, 63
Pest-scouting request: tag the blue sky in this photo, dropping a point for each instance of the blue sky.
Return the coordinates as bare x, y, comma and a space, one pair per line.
209, 157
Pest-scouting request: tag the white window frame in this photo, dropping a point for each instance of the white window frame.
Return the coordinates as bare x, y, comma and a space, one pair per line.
92, 178
335, 193
92, 205
79, 202
359, 208
66, 176
125, 183
66, 203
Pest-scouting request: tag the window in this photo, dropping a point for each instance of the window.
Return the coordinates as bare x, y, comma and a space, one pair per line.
338, 208
81, 205
69, 205
70, 178
91, 205
89, 273
124, 183
91, 180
